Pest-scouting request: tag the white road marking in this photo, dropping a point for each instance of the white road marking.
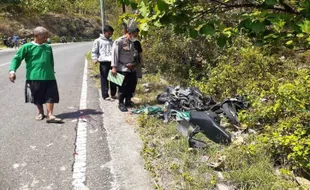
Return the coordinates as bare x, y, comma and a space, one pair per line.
4, 64
15, 166
79, 166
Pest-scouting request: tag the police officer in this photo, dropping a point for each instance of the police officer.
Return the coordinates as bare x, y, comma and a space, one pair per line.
138, 47
124, 61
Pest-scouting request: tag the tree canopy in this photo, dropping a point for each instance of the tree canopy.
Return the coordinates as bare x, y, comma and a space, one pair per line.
267, 22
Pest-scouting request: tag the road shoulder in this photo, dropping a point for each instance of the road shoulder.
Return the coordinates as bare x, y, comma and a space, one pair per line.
125, 146
98, 172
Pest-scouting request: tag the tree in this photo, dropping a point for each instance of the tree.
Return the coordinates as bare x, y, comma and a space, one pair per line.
267, 22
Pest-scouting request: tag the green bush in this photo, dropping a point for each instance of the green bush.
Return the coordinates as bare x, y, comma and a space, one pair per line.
278, 91
175, 57
55, 39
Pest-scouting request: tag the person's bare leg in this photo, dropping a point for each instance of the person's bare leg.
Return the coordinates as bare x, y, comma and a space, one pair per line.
40, 108
40, 115
50, 109
50, 116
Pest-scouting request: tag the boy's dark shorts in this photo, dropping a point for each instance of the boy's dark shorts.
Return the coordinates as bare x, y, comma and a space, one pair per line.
41, 91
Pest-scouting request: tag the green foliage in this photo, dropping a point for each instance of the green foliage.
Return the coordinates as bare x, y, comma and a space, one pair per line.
207, 29
175, 57
278, 89
55, 39
267, 22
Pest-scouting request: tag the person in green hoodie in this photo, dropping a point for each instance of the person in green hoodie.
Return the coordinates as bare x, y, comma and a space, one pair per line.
41, 86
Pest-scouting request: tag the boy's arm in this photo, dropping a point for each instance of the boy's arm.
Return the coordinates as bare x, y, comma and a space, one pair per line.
17, 59
95, 51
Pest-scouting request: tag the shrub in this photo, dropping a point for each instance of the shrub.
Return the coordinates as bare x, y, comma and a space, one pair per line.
55, 39
278, 91
175, 57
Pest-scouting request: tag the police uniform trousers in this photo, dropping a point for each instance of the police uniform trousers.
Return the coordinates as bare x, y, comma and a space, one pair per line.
126, 91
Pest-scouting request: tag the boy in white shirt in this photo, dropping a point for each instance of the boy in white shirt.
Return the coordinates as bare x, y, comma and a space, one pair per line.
102, 53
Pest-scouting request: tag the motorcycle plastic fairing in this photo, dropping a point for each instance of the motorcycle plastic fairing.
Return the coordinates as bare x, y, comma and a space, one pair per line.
210, 128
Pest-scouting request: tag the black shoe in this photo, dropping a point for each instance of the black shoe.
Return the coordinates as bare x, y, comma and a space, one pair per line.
129, 104
105, 97
122, 108
114, 97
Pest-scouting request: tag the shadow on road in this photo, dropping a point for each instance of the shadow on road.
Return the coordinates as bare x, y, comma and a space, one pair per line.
79, 114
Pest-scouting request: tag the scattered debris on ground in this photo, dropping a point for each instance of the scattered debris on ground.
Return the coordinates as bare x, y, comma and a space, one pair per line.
197, 113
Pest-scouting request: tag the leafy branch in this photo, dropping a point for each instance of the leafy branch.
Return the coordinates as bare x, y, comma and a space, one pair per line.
286, 8
266, 22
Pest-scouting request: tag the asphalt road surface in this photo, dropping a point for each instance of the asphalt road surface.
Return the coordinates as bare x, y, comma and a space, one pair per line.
37, 155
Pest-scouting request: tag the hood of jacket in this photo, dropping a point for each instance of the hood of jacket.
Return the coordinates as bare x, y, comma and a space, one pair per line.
103, 37
102, 49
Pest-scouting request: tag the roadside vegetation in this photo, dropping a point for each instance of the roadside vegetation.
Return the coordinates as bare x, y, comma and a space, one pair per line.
242, 165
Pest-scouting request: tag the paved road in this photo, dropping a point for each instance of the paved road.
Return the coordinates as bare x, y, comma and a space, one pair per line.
36, 155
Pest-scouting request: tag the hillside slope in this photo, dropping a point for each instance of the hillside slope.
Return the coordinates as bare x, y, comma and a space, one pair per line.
58, 24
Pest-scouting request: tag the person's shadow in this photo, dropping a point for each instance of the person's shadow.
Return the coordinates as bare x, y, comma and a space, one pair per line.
79, 114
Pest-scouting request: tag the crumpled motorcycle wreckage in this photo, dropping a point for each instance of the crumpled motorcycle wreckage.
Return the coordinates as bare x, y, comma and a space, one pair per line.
196, 113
